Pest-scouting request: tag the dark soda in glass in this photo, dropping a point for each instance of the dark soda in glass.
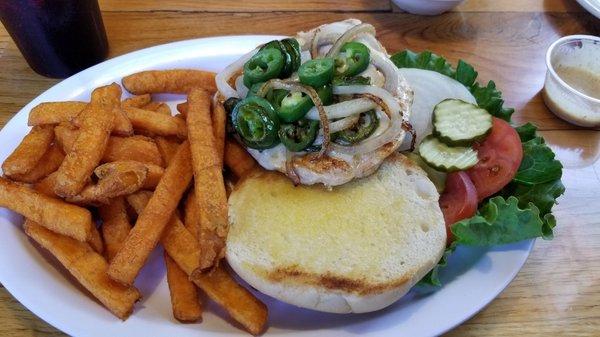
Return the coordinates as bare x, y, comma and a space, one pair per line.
58, 38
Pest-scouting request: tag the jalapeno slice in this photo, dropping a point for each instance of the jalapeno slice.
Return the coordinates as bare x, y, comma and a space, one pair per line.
290, 49
366, 125
256, 122
263, 66
300, 135
294, 106
317, 72
353, 59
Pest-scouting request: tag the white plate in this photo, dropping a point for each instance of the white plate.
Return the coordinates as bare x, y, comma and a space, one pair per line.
592, 6
475, 277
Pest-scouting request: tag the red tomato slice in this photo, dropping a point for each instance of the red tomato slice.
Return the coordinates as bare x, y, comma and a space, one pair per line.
500, 155
459, 200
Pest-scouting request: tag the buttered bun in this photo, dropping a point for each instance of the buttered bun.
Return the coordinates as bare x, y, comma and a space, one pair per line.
356, 248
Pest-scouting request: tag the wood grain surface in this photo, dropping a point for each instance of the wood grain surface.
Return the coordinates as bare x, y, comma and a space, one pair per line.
557, 292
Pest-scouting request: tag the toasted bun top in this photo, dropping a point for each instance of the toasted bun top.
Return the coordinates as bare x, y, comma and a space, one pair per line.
372, 238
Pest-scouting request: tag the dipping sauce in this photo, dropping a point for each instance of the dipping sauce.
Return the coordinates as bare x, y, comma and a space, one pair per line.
582, 80
572, 87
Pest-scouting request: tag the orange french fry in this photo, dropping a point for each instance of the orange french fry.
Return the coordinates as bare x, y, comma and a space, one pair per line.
237, 159
54, 214
92, 139
88, 267
54, 112
156, 123
49, 163
191, 214
243, 307
174, 81
136, 101
167, 148
32, 148
208, 179
219, 124
152, 221
114, 179
138, 148
158, 107
184, 294
184, 297
115, 226
46, 185
95, 240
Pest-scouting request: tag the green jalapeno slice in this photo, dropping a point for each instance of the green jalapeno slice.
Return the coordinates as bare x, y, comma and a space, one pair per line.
353, 59
300, 135
366, 125
256, 122
294, 106
290, 49
263, 66
317, 72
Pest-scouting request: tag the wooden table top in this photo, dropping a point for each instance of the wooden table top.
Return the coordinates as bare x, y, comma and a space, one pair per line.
558, 290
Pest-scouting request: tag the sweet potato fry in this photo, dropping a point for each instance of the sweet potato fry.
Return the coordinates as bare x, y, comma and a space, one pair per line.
95, 240
174, 81
153, 177
184, 294
49, 163
161, 108
208, 179
114, 180
115, 226
152, 221
54, 214
88, 267
121, 127
219, 124
88, 149
136, 101
55, 112
237, 159
108, 101
138, 148
183, 108
184, 297
46, 185
167, 148
243, 307
156, 123
30, 151
191, 214
65, 134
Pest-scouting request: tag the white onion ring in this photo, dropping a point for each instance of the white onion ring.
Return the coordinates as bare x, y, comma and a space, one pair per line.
240, 87
342, 124
223, 77
343, 109
387, 98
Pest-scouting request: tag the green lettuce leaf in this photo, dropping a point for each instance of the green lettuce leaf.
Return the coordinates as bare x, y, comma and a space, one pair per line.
499, 221
538, 165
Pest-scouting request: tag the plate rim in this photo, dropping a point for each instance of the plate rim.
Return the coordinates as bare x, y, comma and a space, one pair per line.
20, 294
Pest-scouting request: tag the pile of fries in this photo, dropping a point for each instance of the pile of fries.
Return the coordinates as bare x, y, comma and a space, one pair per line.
102, 183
